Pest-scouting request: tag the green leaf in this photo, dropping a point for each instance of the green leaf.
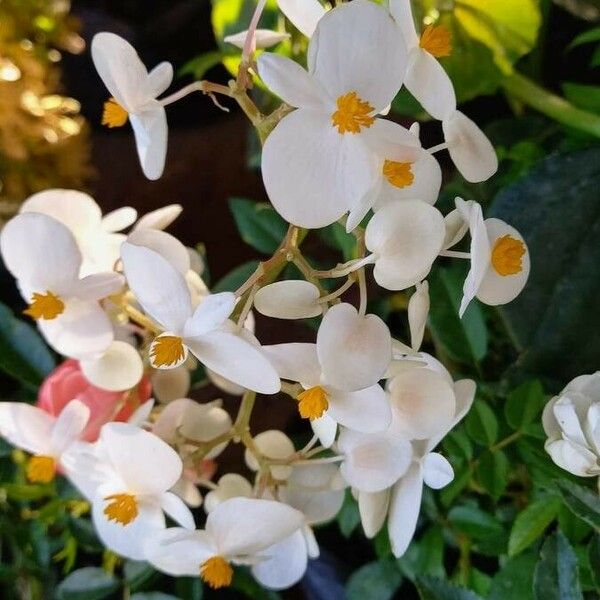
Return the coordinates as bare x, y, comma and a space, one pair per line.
189, 588
23, 353
24, 492
482, 424
235, 278
430, 588
531, 523
492, 472
197, 67
348, 518
466, 339
524, 404
258, 223
336, 237
594, 560
475, 522
556, 576
556, 208
583, 96
153, 596
587, 37
137, 573
515, 579
457, 445
425, 556
89, 583
374, 580
581, 501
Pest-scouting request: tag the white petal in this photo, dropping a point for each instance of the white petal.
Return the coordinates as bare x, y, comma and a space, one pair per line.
407, 236
141, 415
283, 564
179, 552
291, 299
151, 132
418, 310
26, 427
373, 462
402, 13
119, 219
313, 174
229, 486
427, 81
263, 38
469, 148
437, 471
243, 526
40, 252
129, 540
373, 508
98, 286
167, 425
237, 360
288, 80
213, 311
177, 510
573, 458
456, 228
159, 79
569, 422
160, 218
121, 69
170, 384
168, 246
374, 68
423, 403
404, 510
325, 428
495, 288
69, 425
360, 209
354, 350
296, 362
304, 14
272, 444
157, 285
188, 492
145, 463
119, 368
367, 410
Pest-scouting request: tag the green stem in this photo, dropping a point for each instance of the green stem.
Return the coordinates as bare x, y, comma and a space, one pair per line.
551, 105
507, 441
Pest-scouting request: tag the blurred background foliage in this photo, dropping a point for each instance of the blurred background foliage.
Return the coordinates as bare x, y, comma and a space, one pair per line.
512, 524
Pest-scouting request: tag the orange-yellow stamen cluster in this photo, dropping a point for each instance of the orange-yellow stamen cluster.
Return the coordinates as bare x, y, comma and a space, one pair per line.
507, 255
352, 114
114, 114
122, 508
167, 350
216, 572
45, 306
312, 403
437, 40
399, 174
41, 469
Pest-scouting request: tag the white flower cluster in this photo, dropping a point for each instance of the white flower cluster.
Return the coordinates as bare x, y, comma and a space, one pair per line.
125, 305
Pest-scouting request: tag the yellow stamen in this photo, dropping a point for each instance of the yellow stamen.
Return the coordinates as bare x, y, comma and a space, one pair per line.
507, 255
312, 403
216, 572
114, 114
167, 350
45, 306
41, 469
437, 40
352, 114
122, 508
399, 174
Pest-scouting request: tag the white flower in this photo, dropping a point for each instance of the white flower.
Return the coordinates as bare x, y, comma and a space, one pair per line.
273, 444
229, 486
316, 165
405, 238
134, 91
500, 261
170, 384
160, 218
469, 148
572, 423
43, 256
48, 438
425, 78
263, 38
120, 368
316, 366
303, 14
127, 482
164, 295
237, 532
418, 310
290, 299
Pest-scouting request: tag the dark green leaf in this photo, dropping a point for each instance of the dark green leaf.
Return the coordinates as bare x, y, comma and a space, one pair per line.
479, 582
374, 580
556, 576
594, 560
492, 472
465, 339
482, 424
137, 574
382, 544
475, 522
431, 588
425, 556
572, 526
235, 278
336, 237
515, 579
581, 501
153, 596
197, 67
531, 523
524, 404
189, 588
258, 223
587, 37
89, 583
23, 353
583, 96
348, 518
458, 446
